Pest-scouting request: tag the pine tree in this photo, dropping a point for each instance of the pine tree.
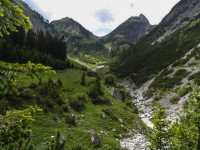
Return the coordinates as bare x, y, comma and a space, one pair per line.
83, 82
159, 136
41, 42
187, 130
31, 40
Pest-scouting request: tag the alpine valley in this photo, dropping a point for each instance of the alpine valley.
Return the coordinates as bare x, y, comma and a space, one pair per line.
63, 88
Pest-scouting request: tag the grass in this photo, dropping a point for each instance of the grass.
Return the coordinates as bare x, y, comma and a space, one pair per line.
91, 61
107, 46
90, 117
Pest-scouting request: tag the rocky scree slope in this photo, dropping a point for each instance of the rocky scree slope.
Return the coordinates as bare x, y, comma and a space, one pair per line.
171, 88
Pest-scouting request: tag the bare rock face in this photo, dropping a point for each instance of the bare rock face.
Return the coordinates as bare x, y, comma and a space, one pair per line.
181, 14
117, 93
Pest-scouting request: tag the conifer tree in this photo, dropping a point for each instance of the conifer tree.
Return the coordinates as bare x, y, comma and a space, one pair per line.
158, 137
83, 82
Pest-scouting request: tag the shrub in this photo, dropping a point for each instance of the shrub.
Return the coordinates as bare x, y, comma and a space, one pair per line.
65, 108
157, 98
131, 105
77, 102
110, 79
70, 119
96, 90
182, 92
197, 81
100, 100
59, 82
91, 74
110, 113
175, 99
83, 82
194, 76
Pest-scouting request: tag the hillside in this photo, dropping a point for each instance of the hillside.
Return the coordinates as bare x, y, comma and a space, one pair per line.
150, 56
136, 88
36, 19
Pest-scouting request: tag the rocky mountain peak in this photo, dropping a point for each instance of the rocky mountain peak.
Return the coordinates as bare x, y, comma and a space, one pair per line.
140, 18
143, 18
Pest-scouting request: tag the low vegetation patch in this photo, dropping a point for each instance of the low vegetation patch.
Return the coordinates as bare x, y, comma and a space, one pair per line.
164, 83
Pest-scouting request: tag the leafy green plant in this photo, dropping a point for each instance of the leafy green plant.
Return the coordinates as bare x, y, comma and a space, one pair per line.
12, 16
15, 128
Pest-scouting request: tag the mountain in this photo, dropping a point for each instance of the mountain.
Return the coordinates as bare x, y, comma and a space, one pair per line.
36, 19
171, 39
68, 27
83, 43
130, 31
133, 29
183, 13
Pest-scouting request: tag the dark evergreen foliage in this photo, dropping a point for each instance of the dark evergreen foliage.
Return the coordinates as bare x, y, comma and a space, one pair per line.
20, 47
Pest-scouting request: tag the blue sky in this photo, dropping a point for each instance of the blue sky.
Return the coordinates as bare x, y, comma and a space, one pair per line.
102, 16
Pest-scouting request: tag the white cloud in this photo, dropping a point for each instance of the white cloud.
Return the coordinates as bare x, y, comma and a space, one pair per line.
84, 11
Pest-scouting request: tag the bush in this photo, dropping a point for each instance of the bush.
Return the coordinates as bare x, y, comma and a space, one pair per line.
100, 100
157, 98
197, 81
91, 74
77, 102
96, 90
131, 105
110, 79
83, 82
175, 99
65, 108
182, 92
70, 119
194, 76
110, 113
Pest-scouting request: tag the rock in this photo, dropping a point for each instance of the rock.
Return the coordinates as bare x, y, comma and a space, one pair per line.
117, 93
94, 138
120, 120
104, 116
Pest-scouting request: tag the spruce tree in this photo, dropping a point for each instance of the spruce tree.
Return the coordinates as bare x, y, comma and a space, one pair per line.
83, 82
159, 135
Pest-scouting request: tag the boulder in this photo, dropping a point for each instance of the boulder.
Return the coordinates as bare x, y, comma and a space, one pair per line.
117, 93
94, 138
